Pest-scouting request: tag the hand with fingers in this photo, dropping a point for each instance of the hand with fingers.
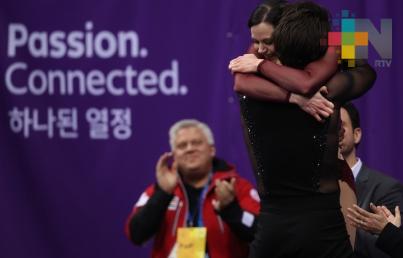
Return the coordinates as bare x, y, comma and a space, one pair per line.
317, 105
167, 176
246, 63
224, 193
375, 221
394, 219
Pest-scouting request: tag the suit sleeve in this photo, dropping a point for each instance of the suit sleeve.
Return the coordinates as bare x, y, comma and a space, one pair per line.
391, 241
392, 195
241, 214
147, 215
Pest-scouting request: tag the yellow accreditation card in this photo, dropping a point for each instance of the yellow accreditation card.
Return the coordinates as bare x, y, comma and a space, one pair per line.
191, 242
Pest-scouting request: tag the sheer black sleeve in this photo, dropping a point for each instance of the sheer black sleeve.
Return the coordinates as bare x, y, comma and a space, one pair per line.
351, 83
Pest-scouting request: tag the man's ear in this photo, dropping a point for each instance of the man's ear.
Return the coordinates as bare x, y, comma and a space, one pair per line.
357, 135
213, 151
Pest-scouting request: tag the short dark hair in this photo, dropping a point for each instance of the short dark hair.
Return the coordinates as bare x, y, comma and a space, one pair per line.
269, 13
272, 3
353, 113
298, 37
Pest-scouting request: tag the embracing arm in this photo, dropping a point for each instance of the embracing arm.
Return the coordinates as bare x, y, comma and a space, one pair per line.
352, 83
257, 87
282, 79
304, 82
252, 85
260, 88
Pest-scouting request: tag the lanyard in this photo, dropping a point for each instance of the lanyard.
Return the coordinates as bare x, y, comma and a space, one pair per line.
202, 197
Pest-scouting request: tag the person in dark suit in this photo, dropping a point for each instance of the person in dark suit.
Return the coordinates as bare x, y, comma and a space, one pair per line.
372, 186
382, 222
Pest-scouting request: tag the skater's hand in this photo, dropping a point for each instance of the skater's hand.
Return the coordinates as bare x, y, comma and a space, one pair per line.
246, 63
317, 106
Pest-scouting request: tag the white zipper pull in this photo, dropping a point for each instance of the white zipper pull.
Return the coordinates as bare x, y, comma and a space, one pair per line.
174, 226
220, 223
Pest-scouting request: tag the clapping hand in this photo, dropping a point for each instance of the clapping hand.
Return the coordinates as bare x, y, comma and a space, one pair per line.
225, 193
373, 222
167, 176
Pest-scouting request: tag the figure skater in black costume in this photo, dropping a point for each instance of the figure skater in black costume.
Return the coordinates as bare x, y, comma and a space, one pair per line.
294, 156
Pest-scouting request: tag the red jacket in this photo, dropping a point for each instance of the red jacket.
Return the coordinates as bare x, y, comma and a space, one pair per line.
222, 242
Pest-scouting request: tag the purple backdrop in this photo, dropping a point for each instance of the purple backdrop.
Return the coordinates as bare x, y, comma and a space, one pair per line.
90, 88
